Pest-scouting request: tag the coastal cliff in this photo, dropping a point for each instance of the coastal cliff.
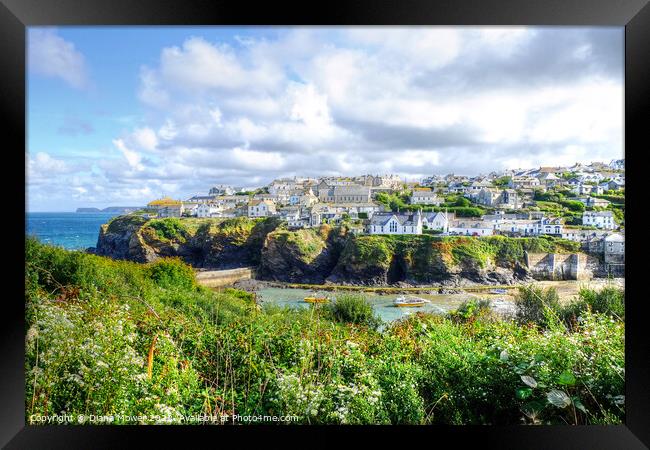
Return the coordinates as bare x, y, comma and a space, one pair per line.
330, 254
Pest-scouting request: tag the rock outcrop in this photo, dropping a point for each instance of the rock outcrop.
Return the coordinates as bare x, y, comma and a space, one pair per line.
325, 254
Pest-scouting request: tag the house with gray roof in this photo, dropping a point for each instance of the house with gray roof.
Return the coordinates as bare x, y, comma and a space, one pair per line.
422, 197
351, 194
395, 223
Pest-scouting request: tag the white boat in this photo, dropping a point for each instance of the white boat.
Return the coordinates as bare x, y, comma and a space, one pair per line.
410, 301
498, 291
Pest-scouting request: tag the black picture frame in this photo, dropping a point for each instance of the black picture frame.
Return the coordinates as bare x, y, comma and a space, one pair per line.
634, 15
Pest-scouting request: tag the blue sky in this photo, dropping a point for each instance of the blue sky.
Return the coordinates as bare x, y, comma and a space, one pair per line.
121, 115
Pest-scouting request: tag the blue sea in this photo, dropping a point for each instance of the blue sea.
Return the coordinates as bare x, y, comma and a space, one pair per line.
74, 231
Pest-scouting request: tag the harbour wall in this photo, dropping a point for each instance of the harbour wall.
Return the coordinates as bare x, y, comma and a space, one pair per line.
558, 266
220, 278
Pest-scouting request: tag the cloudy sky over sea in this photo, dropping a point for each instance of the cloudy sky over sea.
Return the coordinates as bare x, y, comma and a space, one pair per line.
121, 115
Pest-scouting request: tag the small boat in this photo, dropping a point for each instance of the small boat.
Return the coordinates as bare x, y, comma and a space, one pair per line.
409, 301
316, 299
498, 291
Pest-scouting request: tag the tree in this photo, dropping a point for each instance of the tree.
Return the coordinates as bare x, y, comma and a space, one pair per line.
502, 181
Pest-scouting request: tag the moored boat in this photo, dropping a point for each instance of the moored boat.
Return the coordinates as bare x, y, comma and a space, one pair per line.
498, 291
316, 299
410, 301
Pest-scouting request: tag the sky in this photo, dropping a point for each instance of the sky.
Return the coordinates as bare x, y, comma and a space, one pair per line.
119, 116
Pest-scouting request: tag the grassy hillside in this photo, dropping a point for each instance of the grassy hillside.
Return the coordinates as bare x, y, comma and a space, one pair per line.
116, 337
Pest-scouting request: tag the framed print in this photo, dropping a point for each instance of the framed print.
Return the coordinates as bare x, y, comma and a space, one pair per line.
370, 218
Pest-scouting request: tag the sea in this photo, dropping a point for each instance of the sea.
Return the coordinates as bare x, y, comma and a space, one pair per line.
70, 230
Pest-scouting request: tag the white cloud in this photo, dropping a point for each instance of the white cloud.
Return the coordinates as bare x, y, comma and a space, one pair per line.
51, 55
132, 157
412, 101
42, 165
199, 65
145, 138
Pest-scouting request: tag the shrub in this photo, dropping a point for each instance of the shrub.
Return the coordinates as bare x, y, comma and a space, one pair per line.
352, 308
472, 309
171, 272
168, 228
609, 300
536, 305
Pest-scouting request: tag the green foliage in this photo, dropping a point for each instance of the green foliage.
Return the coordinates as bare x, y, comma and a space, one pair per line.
620, 199
462, 202
573, 205
91, 324
502, 181
536, 305
353, 308
171, 272
608, 301
471, 310
170, 228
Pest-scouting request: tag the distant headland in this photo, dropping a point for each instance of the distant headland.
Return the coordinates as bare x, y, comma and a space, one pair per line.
110, 209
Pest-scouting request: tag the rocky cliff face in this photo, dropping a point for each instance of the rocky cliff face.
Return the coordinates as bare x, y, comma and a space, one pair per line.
418, 260
323, 255
302, 256
202, 243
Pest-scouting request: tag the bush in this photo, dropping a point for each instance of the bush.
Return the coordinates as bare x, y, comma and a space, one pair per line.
609, 300
471, 310
536, 305
171, 272
352, 308
573, 205
168, 228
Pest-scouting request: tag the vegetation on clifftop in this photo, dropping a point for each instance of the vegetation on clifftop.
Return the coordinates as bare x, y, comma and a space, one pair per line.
424, 253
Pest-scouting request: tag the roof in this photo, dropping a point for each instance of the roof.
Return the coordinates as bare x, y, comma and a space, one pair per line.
470, 224
259, 202
433, 215
418, 193
598, 213
201, 197
351, 190
403, 219
165, 201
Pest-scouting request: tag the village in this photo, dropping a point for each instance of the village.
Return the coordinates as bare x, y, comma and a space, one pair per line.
583, 203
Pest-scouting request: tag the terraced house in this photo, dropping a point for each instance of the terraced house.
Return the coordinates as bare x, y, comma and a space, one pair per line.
422, 197
261, 208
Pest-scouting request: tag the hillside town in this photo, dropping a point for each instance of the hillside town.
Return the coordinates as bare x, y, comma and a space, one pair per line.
583, 203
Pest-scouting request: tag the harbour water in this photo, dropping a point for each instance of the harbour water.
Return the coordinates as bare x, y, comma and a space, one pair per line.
383, 304
439, 303
73, 231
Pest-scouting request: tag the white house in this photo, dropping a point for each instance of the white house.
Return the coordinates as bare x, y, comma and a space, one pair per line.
208, 209
261, 208
599, 219
437, 220
425, 198
615, 243
469, 227
395, 223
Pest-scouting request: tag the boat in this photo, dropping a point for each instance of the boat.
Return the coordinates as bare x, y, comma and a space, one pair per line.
409, 301
316, 299
498, 291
